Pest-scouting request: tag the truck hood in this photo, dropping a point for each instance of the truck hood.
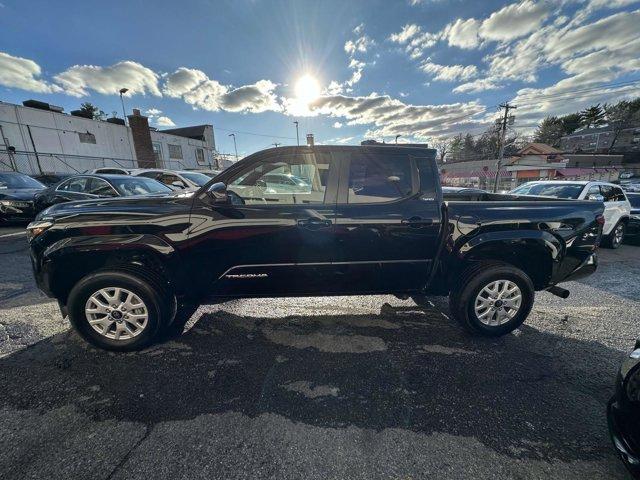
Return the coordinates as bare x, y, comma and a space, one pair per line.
118, 204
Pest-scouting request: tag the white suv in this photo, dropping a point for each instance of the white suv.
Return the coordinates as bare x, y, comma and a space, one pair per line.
616, 205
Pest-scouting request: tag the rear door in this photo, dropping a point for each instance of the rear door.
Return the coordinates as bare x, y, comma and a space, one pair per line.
616, 205
388, 219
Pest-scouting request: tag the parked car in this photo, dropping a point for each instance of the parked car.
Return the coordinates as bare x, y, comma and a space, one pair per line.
617, 208
373, 222
207, 172
114, 170
623, 413
17, 192
87, 187
633, 227
175, 179
631, 186
464, 193
49, 179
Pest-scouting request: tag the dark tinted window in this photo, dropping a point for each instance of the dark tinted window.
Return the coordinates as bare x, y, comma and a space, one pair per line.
377, 178
97, 186
634, 199
552, 189
17, 181
615, 194
78, 184
129, 186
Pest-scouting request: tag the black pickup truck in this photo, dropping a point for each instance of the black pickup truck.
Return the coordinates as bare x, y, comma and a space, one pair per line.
308, 221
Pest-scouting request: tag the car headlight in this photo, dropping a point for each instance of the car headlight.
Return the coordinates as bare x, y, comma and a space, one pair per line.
37, 228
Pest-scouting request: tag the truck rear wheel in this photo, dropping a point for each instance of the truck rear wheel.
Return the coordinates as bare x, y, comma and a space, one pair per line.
117, 310
492, 298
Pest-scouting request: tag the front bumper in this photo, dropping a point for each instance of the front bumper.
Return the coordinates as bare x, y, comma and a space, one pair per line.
620, 438
575, 267
21, 212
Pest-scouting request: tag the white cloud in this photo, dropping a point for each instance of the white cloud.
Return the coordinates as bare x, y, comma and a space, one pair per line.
479, 85
337, 125
449, 73
515, 20
408, 32
79, 79
153, 111
463, 33
198, 90
163, 121
18, 72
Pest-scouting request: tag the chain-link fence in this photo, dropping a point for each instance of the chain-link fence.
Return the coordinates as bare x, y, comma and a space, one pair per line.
33, 164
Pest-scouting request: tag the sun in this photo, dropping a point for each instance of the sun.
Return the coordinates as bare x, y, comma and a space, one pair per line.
307, 89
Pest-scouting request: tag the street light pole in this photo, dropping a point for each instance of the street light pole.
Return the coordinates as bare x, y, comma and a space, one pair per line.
235, 147
124, 113
397, 137
297, 134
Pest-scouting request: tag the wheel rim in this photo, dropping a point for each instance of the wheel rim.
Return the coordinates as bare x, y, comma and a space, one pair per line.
618, 234
116, 313
498, 302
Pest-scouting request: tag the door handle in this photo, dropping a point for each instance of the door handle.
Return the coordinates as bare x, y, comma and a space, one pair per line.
416, 222
314, 223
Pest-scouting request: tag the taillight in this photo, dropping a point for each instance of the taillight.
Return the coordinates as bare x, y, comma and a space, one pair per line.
600, 219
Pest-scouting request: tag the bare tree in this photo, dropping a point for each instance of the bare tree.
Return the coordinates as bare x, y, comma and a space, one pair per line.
443, 146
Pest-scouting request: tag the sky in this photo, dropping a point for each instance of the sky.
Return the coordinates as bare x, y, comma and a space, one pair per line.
346, 70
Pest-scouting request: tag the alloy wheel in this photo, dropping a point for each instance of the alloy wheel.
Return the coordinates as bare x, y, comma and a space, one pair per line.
116, 313
498, 302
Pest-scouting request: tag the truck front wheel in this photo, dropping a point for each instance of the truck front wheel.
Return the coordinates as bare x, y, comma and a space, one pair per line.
116, 310
492, 298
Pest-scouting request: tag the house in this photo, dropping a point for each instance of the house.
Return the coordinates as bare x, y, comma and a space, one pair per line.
599, 140
38, 137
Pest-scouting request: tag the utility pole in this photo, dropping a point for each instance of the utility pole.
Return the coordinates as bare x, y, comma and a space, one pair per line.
503, 134
235, 147
297, 134
397, 137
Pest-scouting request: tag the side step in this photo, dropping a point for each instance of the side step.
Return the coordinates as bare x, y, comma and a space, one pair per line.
559, 291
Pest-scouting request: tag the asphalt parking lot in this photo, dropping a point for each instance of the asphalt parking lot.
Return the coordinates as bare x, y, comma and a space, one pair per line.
359, 387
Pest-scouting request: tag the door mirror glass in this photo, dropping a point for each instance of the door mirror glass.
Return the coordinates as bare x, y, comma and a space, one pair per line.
218, 193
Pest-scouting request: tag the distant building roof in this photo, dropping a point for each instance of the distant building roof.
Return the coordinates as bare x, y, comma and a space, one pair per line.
197, 132
538, 149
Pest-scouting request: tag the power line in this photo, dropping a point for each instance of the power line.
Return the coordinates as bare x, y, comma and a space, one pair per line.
601, 90
254, 134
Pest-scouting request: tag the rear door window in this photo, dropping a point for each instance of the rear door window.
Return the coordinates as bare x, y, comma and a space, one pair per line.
78, 185
375, 178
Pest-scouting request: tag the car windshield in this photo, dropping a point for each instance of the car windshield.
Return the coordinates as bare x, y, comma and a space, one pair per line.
634, 199
17, 181
128, 186
198, 178
551, 189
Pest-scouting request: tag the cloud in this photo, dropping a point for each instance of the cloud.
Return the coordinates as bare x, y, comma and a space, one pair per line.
463, 33
198, 90
163, 121
390, 116
353, 48
337, 125
449, 73
79, 79
479, 85
408, 32
415, 40
515, 20
18, 72
156, 118
360, 44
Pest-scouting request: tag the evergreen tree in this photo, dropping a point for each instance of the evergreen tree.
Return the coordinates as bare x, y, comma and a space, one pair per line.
549, 131
594, 116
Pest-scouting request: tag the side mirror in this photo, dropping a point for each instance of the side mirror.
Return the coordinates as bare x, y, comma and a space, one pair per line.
218, 193
178, 184
595, 197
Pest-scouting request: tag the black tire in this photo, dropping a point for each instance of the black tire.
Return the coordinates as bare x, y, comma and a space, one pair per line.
156, 308
473, 280
613, 241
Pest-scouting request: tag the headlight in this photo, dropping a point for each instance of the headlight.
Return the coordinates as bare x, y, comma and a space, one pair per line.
37, 228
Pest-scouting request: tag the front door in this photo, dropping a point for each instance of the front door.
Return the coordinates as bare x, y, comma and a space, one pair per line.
388, 220
277, 236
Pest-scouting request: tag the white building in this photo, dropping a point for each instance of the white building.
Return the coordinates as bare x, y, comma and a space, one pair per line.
43, 139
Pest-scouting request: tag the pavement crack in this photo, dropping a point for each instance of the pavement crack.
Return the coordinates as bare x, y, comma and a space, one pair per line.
147, 432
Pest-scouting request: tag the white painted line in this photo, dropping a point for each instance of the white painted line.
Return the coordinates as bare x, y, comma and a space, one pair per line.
15, 234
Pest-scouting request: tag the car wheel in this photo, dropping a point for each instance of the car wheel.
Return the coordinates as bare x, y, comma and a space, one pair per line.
492, 299
116, 310
616, 237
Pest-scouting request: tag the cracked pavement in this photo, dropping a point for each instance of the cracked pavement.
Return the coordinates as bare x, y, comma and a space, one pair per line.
338, 387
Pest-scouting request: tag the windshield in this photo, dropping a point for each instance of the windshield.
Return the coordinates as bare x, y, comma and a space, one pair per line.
198, 178
128, 186
557, 190
634, 199
17, 181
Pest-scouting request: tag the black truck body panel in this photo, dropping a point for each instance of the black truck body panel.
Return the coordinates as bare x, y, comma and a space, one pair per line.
415, 244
